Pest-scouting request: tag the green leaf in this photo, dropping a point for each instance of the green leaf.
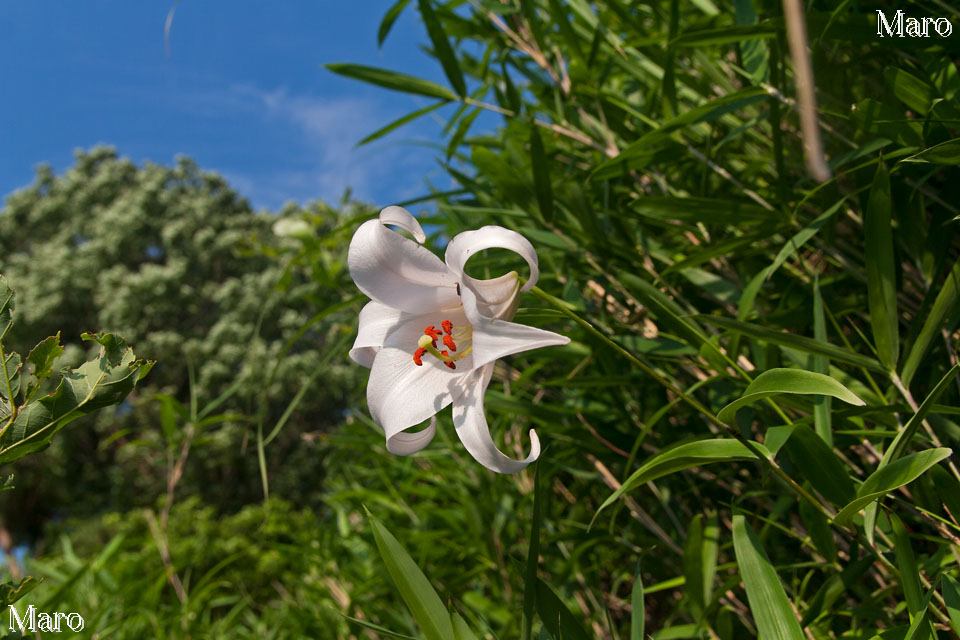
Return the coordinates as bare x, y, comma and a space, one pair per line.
101, 382
392, 80
771, 609
670, 314
10, 592
700, 561
801, 343
881, 282
541, 174
820, 466
818, 528
399, 122
388, 19
7, 305
680, 457
951, 597
417, 592
461, 631
442, 48
726, 35
919, 628
692, 562
886, 479
705, 210
659, 137
533, 558
460, 133
556, 618
907, 565
10, 376
638, 613
947, 488
947, 153
822, 421
797, 381
801, 237
912, 91
945, 304
753, 52
902, 441
41, 359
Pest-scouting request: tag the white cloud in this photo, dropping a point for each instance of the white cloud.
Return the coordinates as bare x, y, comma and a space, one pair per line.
324, 160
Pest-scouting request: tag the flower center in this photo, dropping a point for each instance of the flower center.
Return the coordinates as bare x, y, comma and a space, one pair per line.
449, 334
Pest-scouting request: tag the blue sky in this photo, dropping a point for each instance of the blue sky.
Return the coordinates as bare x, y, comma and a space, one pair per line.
242, 92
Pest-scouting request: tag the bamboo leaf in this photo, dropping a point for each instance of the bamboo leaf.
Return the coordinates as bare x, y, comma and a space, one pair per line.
391, 80
886, 479
946, 153
461, 631
771, 609
541, 174
801, 343
388, 19
951, 597
820, 466
881, 276
399, 122
680, 457
945, 304
797, 381
417, 592
907, 565
533, 558
557, 619
820, 364
441, 47
638, 613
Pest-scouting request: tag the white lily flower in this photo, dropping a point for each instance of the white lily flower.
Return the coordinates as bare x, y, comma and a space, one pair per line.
431, 333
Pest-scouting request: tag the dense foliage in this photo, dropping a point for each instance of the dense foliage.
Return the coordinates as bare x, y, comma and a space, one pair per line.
751, 431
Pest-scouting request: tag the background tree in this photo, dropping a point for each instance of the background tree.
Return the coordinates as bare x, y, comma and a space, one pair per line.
181, 265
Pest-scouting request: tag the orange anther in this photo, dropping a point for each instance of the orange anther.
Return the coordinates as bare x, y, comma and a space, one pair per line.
417, 357
447, 327
432, 332
449, 364
448, 341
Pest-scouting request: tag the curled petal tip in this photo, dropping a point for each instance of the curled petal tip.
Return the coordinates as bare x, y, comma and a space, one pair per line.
402, 218
534, 446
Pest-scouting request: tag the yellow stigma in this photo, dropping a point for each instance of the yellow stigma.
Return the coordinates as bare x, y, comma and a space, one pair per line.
424, 342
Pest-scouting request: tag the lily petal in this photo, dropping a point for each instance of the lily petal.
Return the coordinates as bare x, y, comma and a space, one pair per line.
375, 321
397, 271
496, 297
493, 339
474, 432
405, 443
401, 395
466, 244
